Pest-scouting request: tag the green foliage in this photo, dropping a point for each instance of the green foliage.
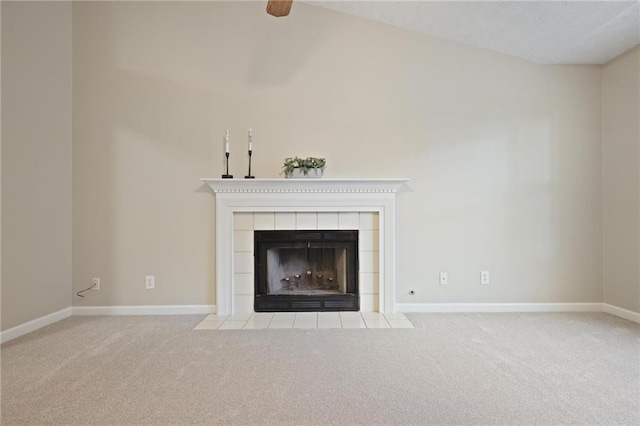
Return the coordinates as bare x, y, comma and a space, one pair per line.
304, 164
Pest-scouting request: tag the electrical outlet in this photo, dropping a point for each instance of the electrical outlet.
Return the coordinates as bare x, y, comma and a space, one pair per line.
95, 284
444, 278
150, 282
484, 277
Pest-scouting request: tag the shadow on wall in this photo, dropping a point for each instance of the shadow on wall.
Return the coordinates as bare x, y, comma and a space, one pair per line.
272, 63
487, 182
146, 129
152, 139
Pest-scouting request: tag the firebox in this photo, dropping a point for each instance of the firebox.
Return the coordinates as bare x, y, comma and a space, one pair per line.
298, 271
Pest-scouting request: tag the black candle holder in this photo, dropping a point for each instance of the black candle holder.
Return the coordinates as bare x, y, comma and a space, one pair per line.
227, 175
249, 174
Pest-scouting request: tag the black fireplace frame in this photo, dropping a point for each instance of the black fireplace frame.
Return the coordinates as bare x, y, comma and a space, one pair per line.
263, 302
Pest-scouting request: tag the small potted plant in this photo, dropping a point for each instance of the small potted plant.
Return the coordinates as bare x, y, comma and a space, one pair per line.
310, 167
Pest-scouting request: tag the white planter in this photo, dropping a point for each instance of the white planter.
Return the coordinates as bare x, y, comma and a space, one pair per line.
311, 174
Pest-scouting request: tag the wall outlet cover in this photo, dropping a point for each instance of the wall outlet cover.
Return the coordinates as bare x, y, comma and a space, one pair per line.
444, 278
150, 282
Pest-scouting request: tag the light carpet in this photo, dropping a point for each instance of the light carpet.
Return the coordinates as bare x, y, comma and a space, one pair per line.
572, 368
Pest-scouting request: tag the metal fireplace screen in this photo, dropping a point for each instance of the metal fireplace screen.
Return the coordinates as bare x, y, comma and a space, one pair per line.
306, 271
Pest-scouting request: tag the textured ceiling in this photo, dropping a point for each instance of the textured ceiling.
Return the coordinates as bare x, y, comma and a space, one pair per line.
545, 32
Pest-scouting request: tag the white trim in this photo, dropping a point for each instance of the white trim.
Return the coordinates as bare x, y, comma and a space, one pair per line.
499, 307
374, 185
144, 310
621, 312
33, 325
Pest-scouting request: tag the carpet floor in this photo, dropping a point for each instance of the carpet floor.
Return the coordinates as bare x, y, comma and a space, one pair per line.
560, 368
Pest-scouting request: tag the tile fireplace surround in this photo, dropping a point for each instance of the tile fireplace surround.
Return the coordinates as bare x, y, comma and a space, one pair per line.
366, 205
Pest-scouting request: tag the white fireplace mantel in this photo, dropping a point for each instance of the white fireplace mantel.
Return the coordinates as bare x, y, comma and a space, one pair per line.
305, 195
305, 185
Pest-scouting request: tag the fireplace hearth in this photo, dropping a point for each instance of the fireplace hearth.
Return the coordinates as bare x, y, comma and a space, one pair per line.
297, 271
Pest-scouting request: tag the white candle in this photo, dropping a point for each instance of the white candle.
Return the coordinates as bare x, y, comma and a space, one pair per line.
226, 141
250, 140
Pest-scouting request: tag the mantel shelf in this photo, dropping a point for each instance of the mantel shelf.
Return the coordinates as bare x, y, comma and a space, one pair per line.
359, 185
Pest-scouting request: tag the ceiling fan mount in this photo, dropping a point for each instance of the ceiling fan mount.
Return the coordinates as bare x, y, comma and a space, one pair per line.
279, 8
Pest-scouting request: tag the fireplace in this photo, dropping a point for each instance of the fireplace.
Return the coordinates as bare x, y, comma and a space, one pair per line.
297, 271
280, 204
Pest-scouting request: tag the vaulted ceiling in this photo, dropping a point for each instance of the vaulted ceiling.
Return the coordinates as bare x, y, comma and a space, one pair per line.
545, 32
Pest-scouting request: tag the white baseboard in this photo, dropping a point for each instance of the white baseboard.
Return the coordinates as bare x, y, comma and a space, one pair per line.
144, 310
621, 312
498, 307
33, 325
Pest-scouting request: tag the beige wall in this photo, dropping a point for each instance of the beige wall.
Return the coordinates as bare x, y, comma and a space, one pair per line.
0, 168
504, 155
36, 160
621, 180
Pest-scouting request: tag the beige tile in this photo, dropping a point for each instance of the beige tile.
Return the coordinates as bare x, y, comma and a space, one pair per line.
281, 323
353, 324
305, 324
240, 316
396, 316
232, 325
243, 284
281, 316
243, 221
243, 241
369, 303
369, 220
243, 263
259, 320
265, 320
306, 221
264, 221
208, 325
348, 220
401, 324
377, 323
256, 325
216, 317
285, 220
369, 283
329, 315
328, 220
262, 316
368, 240
350, 316
368, 261
372, 315
242, 304
306, 320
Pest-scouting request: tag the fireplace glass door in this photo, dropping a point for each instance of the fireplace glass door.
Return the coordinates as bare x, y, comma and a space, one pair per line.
306, 271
